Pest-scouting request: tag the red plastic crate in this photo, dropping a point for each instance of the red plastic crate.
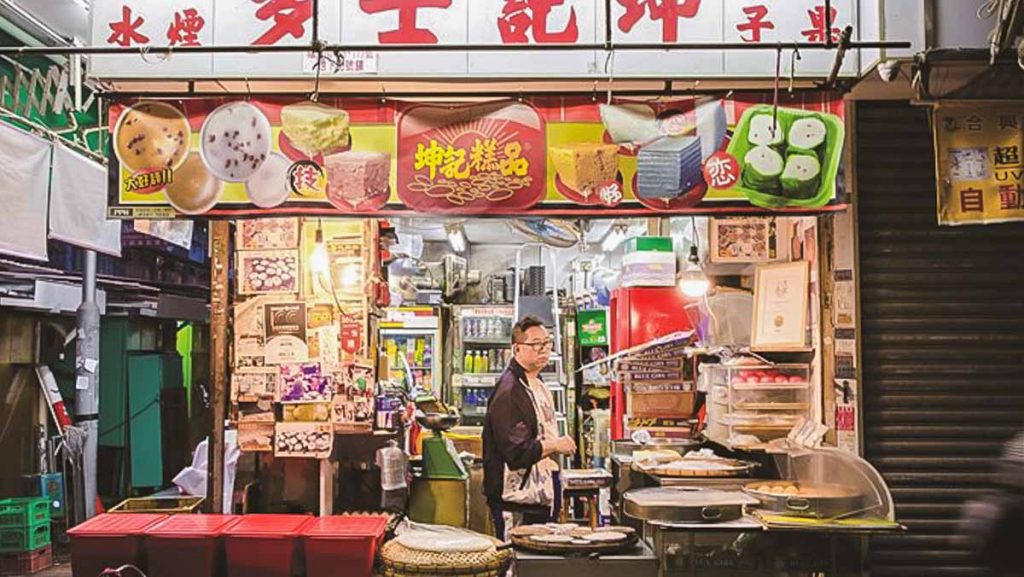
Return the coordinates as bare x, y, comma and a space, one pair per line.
26, 563
264, 545
344, 541
109, 541
188, 545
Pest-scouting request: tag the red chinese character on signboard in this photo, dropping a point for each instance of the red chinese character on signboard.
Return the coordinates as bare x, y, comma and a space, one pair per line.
819, 30
126, 31
756, 22
519, 16
668, 11
1010, 197
289, 17
185, 28
971, 200
407, 31
721, 170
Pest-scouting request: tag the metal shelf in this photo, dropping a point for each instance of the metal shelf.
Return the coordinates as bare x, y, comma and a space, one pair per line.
478, 341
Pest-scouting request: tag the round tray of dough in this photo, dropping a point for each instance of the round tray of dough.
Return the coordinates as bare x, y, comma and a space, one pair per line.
702, 468
568, 539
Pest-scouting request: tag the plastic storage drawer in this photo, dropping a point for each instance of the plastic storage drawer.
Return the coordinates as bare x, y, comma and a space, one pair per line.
24, 511
264, 545
188, 545
109, 541
25, 538
26, 563
343, 541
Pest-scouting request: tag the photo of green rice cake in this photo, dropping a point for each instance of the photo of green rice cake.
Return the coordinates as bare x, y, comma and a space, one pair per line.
762, 168
794, 165
765, 130
806, 136
801, 177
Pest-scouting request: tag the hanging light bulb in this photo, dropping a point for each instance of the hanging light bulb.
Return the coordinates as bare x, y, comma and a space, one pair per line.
693, 282
319, 264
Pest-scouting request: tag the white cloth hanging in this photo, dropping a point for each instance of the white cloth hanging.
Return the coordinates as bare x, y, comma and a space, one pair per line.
78, 203
24, 188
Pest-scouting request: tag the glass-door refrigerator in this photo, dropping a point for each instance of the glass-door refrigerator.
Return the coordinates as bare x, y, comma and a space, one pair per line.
480, 351
411, 338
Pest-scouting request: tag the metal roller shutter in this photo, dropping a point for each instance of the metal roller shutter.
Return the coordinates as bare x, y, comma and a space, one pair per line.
942, 313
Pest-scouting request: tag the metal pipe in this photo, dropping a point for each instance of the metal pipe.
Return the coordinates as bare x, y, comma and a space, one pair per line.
554, 47
837, 61
647, 93
87, 393
608, 24
316, 23
828, 24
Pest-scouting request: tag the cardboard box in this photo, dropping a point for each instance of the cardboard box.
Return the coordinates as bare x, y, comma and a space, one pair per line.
675, 404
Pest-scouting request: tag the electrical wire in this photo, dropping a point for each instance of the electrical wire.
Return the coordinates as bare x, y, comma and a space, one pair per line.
131, 418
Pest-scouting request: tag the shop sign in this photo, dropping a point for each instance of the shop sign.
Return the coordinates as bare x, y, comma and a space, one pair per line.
546, 156
593, 327
162, 23
979, 148
485, 158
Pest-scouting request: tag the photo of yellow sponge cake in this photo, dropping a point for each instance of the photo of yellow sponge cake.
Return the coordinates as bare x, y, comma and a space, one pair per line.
585, 166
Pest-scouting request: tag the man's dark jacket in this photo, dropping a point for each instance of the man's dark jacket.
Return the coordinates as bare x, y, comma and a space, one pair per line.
511, 433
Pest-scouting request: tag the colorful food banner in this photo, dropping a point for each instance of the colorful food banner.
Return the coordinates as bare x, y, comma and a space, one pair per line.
978, 162
543, 156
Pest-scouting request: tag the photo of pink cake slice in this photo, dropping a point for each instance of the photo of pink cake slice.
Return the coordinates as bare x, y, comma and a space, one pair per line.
354, 177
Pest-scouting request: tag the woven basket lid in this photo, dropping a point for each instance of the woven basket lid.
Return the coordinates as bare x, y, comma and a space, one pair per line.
401, 559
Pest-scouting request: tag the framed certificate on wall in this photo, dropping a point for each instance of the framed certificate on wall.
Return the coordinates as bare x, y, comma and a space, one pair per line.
780, 307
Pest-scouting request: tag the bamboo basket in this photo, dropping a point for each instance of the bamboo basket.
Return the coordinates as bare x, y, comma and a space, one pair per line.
398, 560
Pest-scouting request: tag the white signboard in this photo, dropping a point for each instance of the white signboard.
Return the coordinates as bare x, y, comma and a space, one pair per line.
161, 23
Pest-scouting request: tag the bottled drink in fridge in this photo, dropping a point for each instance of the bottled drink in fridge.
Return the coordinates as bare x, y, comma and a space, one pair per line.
478, 363
467, 363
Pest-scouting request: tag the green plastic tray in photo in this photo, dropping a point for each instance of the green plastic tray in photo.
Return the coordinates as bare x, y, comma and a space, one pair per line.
739, 146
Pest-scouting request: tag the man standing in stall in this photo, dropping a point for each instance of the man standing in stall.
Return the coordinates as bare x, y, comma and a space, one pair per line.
521, 435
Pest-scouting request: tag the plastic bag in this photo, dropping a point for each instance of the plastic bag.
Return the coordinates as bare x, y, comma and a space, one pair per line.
192, 480
442, 538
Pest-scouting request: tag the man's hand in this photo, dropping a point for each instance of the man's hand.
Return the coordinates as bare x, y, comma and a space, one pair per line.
559, 446
565, 446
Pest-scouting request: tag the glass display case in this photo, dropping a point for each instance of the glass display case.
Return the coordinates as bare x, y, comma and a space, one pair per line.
752, 404
411, 339
480, 351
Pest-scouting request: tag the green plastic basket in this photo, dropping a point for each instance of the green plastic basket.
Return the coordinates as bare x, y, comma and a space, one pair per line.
20, 539
24, 511
739, 146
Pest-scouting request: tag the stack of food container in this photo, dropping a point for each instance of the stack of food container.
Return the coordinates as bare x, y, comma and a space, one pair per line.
24, 535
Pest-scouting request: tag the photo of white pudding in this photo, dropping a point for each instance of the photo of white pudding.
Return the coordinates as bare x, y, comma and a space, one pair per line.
235, 141
269, 186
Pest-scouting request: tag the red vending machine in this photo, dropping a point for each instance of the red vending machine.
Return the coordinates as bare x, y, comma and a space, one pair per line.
638, 315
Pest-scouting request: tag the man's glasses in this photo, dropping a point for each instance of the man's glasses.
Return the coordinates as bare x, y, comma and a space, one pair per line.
540, 346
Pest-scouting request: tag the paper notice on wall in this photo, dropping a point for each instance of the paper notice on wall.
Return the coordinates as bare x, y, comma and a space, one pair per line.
329, 348
845, 300
82, 383
847, 431
285, 328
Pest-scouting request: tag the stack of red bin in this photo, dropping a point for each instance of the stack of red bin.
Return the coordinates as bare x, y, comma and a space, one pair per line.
190, 545
109, 541
349, 541
259, 545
